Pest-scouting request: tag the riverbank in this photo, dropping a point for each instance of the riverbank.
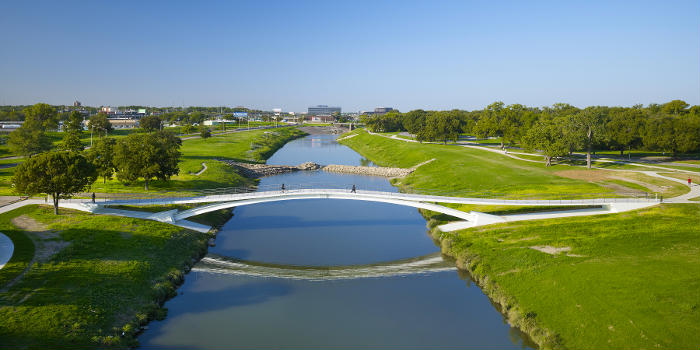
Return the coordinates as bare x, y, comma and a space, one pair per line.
626, 280
95, 281
82, 280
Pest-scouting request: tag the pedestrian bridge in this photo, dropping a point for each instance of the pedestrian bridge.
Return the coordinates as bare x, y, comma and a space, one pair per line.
216, 201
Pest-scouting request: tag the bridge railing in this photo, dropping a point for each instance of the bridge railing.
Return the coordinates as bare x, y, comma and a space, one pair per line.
383, 190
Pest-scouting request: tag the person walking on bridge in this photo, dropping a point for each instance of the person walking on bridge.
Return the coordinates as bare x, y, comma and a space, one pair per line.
282, 188
353, 189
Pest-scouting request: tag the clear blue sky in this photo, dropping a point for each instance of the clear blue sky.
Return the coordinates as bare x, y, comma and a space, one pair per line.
358, 55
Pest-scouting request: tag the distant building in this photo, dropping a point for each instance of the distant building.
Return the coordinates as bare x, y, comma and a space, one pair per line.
77, 103
109, 110
323, 110
378, 111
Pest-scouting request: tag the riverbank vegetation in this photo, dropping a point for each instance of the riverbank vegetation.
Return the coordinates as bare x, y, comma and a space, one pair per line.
94, 280
627, 280
560, 129
464, 171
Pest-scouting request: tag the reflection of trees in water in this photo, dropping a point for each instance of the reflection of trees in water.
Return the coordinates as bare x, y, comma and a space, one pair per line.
365, 162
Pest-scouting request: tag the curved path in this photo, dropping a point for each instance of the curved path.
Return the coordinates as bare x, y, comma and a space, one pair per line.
420, 265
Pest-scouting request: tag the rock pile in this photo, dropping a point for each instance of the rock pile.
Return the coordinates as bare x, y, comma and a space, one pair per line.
261, 170
368, 170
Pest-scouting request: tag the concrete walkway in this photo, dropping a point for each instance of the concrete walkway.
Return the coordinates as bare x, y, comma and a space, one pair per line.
6, 249
204, 168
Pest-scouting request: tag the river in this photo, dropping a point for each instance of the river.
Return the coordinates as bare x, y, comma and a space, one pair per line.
328, 273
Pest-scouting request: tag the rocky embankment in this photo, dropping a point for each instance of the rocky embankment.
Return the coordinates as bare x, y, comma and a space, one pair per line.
327, 129
262, 170
368, 170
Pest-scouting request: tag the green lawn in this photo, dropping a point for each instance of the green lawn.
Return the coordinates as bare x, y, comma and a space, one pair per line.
112, 277
470, 172
630, 281
245, 146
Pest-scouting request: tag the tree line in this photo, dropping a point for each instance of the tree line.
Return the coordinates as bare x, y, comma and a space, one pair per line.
69, 168
559, 130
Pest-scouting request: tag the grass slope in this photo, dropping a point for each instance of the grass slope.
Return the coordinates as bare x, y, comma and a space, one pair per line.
465, 171
110, 279
631, 280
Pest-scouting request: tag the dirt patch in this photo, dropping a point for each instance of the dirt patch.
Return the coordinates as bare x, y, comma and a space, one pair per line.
548, 249
47, 242
591, 175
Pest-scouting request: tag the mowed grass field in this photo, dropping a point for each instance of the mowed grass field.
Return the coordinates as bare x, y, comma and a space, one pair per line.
629, 281
244, 146
465, 171
108, 277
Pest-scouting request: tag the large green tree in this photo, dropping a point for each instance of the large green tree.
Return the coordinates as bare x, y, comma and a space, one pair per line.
147, 156
28, 141
546, 135
150, 123
99, 124
101, 155
589, 123
59, 174
41, 116
73, 129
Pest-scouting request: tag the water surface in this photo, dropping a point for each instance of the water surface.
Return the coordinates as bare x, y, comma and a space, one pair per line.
223, 310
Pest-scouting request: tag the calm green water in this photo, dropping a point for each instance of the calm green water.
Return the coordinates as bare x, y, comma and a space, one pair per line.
273, 278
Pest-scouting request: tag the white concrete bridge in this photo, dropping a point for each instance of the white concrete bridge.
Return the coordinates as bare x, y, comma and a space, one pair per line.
215, 202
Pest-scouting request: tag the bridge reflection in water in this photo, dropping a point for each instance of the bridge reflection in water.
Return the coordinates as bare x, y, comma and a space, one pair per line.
420, 265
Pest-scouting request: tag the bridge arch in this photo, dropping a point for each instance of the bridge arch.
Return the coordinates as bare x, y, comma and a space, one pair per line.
346, 196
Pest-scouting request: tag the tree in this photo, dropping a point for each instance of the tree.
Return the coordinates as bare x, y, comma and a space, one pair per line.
100, 124
72, 129
414, 123
101, 155
675, 107
624, 128
74, 124
71, 142
204, 132
41, 116
187, 129
546, 135
28, 141
589, 123
150, 123
147, 156
443, 125
60, 174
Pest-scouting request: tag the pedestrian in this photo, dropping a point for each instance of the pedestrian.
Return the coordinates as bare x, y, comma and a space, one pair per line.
93, 197
689, 182
353, 189
282, 188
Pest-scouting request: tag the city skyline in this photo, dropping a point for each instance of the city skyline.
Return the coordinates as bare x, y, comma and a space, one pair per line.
265, 55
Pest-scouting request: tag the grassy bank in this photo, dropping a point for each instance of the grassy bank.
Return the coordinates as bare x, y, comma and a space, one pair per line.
629, 280
466, 171
108, 276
